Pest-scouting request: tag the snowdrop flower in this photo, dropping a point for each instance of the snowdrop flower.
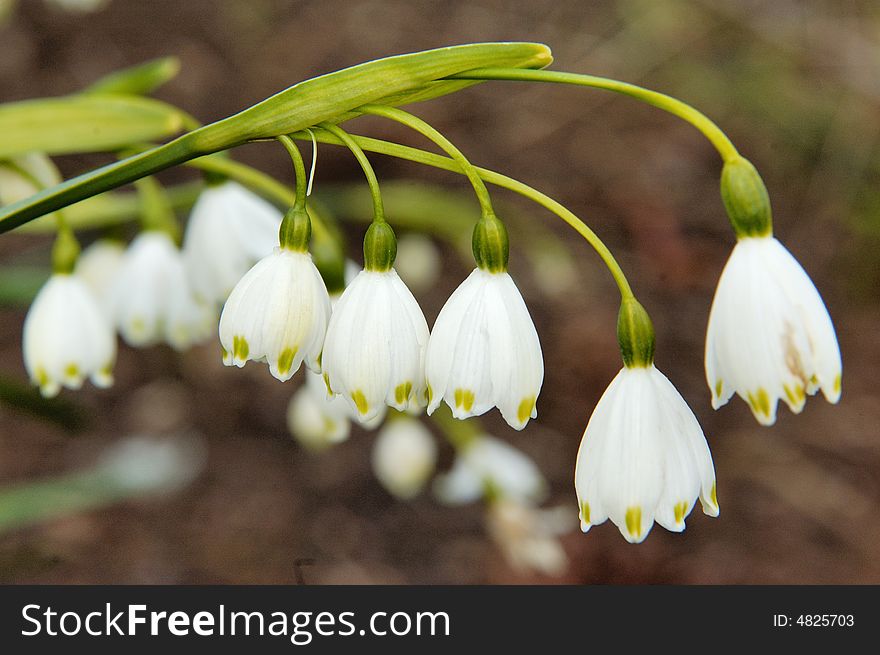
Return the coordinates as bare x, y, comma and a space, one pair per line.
316, 418
404, 456
770, 336
152, 300
278, 313
67, 338
490, 466
484, 351
375, 349
529, 537
98, 266
643, 457
230, 228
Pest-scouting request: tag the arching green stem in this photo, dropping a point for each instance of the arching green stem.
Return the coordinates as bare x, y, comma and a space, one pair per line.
674, 106
351, 144
299, 169
417, 124
445, 163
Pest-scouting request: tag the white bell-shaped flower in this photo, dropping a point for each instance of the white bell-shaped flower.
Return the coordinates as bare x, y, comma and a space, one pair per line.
98, 266
769, 335
488, 465
316, 418
67, 338
277, 313
643, 457
484, 351
230, 228
404, 456
152, 300
374, 354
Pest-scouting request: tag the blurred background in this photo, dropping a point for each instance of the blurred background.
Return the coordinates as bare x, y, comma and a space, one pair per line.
796, 85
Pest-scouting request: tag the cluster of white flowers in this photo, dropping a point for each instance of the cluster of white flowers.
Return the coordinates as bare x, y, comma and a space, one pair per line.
374, 349
643, 457
151, 292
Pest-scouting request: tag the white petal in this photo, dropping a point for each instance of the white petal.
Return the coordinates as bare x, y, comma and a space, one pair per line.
643, 457
229, 229
376, 340
769, 335
66, 337
404, 456
278, 312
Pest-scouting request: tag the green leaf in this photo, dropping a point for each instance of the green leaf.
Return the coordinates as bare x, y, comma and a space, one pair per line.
398, 79
138, 80
84, 124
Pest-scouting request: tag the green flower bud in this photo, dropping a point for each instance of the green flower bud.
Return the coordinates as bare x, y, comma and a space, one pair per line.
65, 251
745, 198
296, 230
635, 334
490, 244
380, 247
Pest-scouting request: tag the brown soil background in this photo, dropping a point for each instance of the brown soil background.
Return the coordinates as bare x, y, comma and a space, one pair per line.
795, 84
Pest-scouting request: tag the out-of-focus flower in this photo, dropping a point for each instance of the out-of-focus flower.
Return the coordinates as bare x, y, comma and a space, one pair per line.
374, 354
67, 338
485, 352
152, 300
146, 464
643, 458
528, 536
98, 266
315, 418
489, 466
404, 457
770, 336
278, 313
418, 261
230, 228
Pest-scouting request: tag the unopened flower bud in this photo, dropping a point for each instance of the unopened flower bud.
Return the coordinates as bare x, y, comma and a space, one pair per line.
745, 198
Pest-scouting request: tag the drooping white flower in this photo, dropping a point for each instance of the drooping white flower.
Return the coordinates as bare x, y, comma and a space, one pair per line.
98, 266
230, 228
67, 338
278, 313
769, 335
643, 457
484, 351
152, 300
404, 456
316, 418
374, 354
529, 536
490, 466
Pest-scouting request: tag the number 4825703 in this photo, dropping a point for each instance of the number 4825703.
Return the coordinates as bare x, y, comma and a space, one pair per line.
825, 620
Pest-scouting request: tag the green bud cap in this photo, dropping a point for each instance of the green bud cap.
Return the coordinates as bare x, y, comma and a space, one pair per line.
380, 247
490, 244
65, 251
635, 334
296, 230
746, 199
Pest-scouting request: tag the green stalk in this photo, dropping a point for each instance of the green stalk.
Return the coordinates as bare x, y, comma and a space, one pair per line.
667, 103
299, 169
423, 128
369, 173
448, 164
